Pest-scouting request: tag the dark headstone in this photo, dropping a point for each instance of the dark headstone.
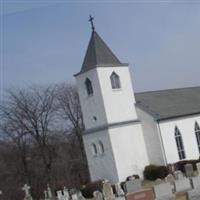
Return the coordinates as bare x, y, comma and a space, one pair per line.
189, 171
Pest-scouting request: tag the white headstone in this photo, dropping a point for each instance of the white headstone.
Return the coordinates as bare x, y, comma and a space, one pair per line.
196, 182
59, 195
158, 181
193, 195
198, 168
80, 196
26, 190
163, 191
178, 174
65, 194
1, 192
97, 195
45, 195
133, 185
75, 196
119, 190
107, 191
170, 179
182, 185
49, 193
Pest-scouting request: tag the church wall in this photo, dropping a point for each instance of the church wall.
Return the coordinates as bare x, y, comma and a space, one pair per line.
129, 150
101, 166
186, 127
119, 103
151, 138
91, 106
125, 152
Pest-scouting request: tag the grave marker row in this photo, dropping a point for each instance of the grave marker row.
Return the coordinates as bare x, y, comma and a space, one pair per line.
133, 187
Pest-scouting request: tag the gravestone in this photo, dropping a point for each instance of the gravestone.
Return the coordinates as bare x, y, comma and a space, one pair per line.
146, 194
196, 182
59, 194
193, 195
133, 185
163, 191
97, 195
178, 174
170, 179
198, 168
49, 193
189, 171
108, 191
182, 185
158, 181
26, 190
65, 194
80, 196
45, 195
171, 168
72, 191
1, 192
75, 196
118, 189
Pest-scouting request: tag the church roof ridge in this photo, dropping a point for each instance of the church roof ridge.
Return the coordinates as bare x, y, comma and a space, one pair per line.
165, 90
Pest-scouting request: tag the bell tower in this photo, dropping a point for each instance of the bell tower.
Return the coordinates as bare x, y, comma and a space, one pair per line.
113, 137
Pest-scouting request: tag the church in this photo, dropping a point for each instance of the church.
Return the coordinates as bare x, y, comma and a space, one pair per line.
126, 131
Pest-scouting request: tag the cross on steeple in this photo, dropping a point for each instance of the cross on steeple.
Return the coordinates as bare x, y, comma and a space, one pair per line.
91, 21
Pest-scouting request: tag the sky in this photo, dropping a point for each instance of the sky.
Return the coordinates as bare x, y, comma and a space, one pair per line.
44, 42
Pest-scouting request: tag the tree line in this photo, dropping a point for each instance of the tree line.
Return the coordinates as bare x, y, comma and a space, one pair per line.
41, 140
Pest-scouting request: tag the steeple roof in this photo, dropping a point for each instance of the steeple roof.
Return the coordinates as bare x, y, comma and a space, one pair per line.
98, 54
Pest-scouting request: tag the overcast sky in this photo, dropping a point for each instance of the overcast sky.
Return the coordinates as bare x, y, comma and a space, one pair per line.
44, 42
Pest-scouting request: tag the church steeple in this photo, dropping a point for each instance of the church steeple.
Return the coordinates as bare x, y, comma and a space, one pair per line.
98, 54
112, 128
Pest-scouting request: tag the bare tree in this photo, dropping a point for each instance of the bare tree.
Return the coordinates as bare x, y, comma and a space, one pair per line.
14, 134
70, 109
41, 136
31, 112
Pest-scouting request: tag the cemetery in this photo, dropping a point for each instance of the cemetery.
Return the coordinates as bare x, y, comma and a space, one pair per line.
175, 186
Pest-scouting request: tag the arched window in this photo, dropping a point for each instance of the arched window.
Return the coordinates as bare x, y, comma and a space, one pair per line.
94, 149
179, 144
115, 81
101, 147
88, 85
197, 133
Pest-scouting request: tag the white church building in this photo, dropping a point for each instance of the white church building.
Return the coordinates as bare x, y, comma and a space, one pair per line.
125, 131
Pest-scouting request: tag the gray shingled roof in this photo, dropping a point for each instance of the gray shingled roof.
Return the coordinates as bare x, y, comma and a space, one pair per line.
171, 103
98, 54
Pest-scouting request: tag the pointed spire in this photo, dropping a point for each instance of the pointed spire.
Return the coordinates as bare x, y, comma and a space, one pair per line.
98, 54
